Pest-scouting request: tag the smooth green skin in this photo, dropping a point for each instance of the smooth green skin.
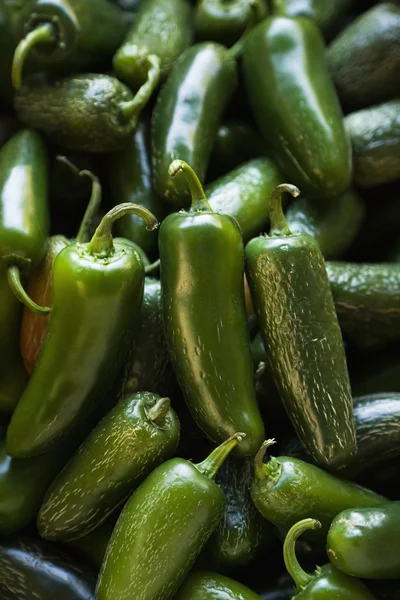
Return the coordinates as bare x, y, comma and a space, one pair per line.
129, 175
95, 305
334, 223
331, 584
302, 337
205, 324
202, 585
364, 60
367, 301
375, 138
365, 542
110, 464
289, 490
244, 194
295, 104
187, 116
80, 112
32, 568
162, 28
325, 14
150, 366
159, 534
92, 547
225, 22
143, 256
81, 46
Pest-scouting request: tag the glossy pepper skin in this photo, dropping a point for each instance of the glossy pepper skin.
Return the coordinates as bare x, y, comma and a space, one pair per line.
201, 585
144, 45
286, 490
162, 529
225, 22
32, 568
324, 14
187, 115
205, 322
365, 542
295, 104
132, 439
299, 327
97, 292
327, 583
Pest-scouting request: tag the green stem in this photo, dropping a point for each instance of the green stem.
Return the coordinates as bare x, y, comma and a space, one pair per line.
259, 465
199, 199
14, 280
210, 466
279, 8
102, 240
158, 412
254, 16
296, 572
277, 217
131, 109
40, 35
93, 206
153, 267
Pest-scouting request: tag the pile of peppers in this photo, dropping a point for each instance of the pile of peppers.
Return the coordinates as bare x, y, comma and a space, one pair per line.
199, 300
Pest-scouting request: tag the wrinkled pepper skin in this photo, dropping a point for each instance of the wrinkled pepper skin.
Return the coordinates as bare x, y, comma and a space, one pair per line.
110, 464
295, 104
225, 22
187, 115
365, 542
31, 568
162, 529
201, 585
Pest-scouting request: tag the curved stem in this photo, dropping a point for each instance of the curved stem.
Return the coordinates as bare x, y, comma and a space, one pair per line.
153, 267
279, 8
102, 241
40, 35
293, 567
14, 280
259, 466
199, 199
131, 109
277, 217
158, 412
93, 206
254, 16
210, 466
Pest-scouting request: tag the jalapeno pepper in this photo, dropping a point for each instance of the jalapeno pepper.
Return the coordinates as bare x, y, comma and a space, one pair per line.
201, 585
97, 294
325, 14
205, 322
225, 22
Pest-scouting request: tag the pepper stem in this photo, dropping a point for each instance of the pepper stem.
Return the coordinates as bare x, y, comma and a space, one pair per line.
210, 466
277, 217
131, 109
102, 240
40, 35
153, 267
259, 466
199, 199
254, 17
296, 572
158, 412
93, 206
279, 8
14, 280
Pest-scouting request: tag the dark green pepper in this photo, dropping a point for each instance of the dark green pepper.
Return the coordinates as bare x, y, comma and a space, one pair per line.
88, 112
325, 14
298, 324
365, 542
60, 35
295, 104
286, 490
97, 293
205, 322
225, 22
132, 439
161, 31
201, 585
34, 569
327, 583
162, 529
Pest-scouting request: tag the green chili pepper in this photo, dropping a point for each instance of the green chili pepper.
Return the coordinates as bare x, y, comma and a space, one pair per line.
295, 104
161, 31
286, 490
225, 22
365, 542
325, 14
97, 294
298, 324
60, 35
201, 585
162, 529
205, 322
327, 583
